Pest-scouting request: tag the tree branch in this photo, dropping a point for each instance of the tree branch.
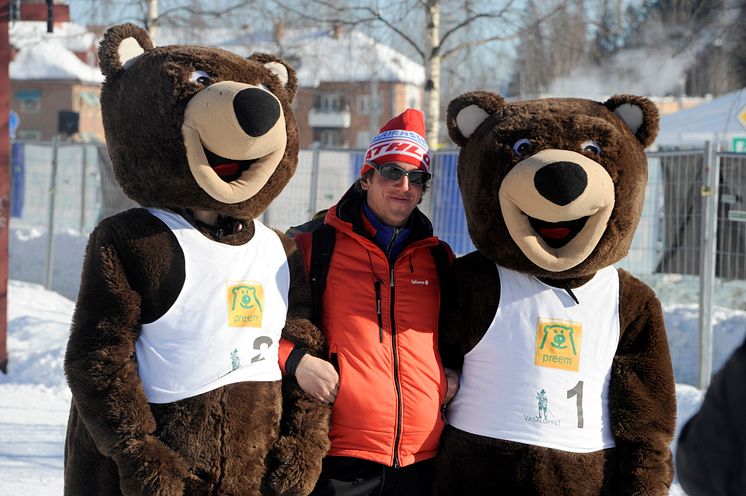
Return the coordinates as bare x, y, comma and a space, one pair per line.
500, 15
191, 10
327, 20
469, 20
398, 31
490, 39
476, 43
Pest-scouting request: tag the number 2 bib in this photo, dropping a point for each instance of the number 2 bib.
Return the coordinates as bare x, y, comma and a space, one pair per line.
225, 325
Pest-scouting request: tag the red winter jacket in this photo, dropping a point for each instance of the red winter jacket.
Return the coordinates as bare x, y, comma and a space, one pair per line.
391, 381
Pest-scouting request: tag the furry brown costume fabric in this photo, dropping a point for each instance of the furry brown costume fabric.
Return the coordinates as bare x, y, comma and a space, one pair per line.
189, 129
554, 189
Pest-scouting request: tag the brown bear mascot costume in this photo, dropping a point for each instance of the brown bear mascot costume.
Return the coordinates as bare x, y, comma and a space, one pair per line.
566, 378
173, 352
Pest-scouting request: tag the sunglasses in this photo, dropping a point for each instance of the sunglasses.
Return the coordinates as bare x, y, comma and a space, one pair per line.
393, 172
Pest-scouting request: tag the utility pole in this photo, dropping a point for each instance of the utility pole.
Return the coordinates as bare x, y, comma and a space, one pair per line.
4, 177
50, 16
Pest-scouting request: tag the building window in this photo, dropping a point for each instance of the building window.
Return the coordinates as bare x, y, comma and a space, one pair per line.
367, 104
89, 99
329, 102
328, 137
31, 106
29, 100
28, 134
364, 104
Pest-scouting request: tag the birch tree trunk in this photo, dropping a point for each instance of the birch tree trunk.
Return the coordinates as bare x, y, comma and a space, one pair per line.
152, 19
432, 72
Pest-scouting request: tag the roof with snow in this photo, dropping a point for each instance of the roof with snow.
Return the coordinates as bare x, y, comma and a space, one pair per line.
50, 60
49, 56
317, 55
715, 121
353, 56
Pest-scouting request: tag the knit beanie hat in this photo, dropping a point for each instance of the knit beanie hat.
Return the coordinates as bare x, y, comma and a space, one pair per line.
402, 139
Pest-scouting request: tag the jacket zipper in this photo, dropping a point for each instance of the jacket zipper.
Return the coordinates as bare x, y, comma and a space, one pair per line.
397, 440
379, 313
391, 243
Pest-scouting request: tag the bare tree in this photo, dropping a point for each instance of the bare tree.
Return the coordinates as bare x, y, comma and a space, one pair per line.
152, 14
568, 38
709, 32
432, 30
531, 71
739, 47
549, 47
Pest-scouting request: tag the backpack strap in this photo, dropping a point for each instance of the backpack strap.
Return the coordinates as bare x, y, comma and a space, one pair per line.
322, 247
306, 226
442, 259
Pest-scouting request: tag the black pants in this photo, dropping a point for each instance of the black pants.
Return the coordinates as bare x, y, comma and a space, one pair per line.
344, 476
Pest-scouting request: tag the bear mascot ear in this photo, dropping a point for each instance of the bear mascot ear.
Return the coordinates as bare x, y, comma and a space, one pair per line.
121, 44
466, 112
281, 70
638, 113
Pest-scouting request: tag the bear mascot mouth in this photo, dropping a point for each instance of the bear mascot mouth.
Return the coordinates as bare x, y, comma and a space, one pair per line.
231, 154
558, 234
228, 170
556, 228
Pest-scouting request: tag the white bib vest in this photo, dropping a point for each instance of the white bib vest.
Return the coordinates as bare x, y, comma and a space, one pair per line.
225, 325
540, 374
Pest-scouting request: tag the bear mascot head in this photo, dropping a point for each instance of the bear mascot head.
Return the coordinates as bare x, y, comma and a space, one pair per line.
172, 358
567, 354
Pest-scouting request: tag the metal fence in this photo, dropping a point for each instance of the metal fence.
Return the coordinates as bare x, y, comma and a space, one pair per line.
690, 245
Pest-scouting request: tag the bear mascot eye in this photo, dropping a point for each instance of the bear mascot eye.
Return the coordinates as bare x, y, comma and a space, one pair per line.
200, 77
522, 147
591, 146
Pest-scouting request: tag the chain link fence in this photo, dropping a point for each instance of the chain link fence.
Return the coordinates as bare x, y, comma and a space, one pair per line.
690, 245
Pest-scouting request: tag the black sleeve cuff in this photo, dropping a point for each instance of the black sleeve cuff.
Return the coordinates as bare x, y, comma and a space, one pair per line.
294, 359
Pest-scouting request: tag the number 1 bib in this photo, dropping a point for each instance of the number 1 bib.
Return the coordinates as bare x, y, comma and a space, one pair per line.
540, 374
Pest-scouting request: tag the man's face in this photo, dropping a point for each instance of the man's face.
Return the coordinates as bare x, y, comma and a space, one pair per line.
392, 201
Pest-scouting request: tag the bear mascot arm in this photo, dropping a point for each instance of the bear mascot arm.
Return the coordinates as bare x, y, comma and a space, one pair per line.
527, 171
234, 436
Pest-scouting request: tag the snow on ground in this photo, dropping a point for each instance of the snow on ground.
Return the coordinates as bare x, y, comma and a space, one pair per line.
34, 398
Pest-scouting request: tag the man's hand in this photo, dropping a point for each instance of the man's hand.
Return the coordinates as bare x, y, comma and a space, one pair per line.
317, 378
452, 383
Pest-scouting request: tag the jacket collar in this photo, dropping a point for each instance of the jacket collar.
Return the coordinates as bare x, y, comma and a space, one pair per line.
390, 239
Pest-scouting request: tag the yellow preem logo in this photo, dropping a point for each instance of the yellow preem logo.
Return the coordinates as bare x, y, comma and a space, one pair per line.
558, 344
245, 304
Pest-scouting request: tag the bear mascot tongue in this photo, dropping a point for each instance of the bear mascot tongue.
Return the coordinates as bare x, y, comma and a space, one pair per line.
173, 358
568, 354
227, 171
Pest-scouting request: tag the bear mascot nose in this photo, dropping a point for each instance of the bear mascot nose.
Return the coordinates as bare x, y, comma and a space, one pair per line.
561, 182
257, 111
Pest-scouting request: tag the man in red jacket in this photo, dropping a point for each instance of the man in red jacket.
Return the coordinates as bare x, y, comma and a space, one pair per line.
379, 313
